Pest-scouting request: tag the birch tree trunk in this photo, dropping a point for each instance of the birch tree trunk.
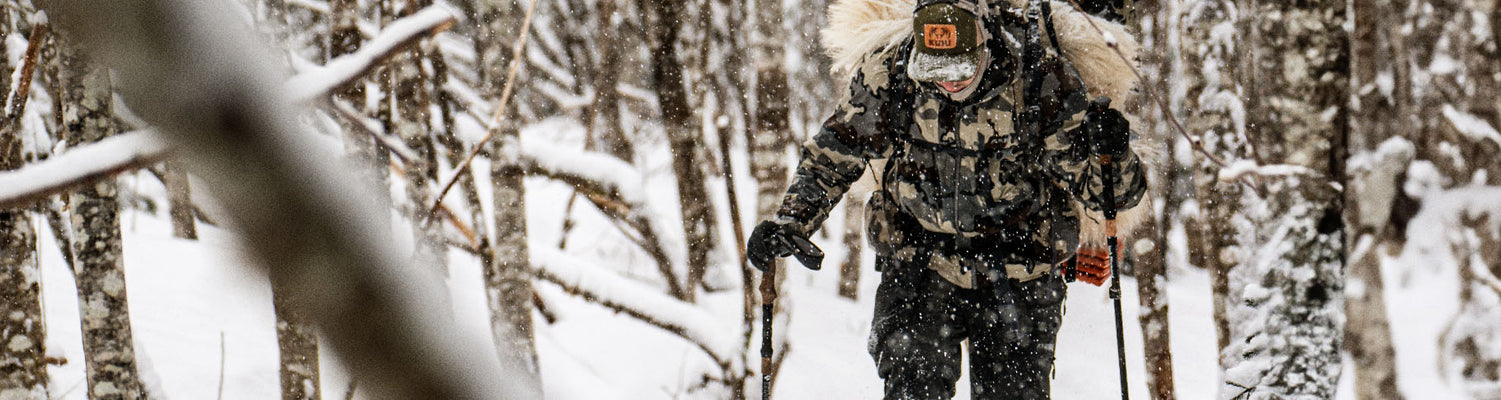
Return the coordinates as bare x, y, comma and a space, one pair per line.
508, 284
1373, 189
23, 369
698, 213
109, 351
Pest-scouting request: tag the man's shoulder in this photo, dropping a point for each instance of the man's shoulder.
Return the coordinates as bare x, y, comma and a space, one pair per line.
886, 67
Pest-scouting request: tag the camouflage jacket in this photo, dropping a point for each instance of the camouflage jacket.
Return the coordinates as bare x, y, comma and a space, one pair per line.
964, 178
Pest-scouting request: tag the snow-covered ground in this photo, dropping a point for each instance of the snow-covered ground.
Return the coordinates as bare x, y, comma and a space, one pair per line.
203, 319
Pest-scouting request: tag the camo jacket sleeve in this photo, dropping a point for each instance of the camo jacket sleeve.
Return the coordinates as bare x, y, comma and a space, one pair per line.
837, 155
1067, 154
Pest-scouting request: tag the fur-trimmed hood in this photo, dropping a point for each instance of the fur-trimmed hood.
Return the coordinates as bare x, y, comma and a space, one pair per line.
860, 27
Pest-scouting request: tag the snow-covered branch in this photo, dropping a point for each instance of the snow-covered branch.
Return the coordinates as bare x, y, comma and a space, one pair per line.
320, 82
637, 300
1241, 168
80, 166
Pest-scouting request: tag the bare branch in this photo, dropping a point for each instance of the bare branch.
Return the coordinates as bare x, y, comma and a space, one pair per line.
79, 166
500, 109
16, 102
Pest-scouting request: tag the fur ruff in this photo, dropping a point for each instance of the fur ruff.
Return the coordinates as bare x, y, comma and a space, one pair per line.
860, 27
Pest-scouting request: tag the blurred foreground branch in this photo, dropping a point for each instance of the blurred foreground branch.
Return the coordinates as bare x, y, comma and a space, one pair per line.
185, 67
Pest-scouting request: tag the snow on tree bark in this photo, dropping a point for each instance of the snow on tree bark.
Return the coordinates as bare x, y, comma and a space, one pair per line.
109, 351
23, 369
1208, 49
1288, 307
508, 285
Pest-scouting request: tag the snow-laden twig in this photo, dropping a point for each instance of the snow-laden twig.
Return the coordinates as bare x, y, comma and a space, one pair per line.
1239, 169
317, 6
340, 71
615, 177
80, 165
637, 300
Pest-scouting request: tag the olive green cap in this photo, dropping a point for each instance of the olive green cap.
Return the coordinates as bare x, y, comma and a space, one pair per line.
947, 43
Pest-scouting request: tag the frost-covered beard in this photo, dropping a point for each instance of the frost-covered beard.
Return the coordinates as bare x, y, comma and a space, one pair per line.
973, 84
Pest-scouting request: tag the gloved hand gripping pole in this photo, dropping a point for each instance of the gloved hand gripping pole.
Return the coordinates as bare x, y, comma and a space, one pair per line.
1108, 171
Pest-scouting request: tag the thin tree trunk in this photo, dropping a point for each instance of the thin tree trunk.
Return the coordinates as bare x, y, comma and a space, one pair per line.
408, 86
854, 226
109, 351
23, 370
693, 197
1370, 196
180, 201
611, 136
1150, 250
508, 284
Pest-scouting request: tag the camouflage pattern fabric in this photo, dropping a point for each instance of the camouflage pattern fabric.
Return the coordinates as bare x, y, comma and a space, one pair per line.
920, 320
963, 170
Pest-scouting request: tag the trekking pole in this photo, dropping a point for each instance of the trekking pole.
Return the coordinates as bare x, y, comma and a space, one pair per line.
1107, 167
768, 302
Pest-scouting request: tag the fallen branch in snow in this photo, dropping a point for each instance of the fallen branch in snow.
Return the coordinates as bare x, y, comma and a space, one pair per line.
318, 83
637, 300
78, 166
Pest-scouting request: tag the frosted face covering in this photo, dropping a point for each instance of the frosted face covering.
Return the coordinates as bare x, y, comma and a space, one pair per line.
947, 44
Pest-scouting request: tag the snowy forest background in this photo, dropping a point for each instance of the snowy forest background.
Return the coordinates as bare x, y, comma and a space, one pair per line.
259, 198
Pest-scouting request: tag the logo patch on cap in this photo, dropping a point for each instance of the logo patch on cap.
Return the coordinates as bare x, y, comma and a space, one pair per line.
939, 37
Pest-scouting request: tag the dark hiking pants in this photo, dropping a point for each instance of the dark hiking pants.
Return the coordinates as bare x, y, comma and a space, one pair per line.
920, 320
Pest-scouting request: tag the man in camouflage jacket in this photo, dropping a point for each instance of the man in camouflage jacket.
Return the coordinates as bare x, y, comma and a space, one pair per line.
987, 145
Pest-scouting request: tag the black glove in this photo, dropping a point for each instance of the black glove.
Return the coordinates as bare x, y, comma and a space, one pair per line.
773, 239
1109, 132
